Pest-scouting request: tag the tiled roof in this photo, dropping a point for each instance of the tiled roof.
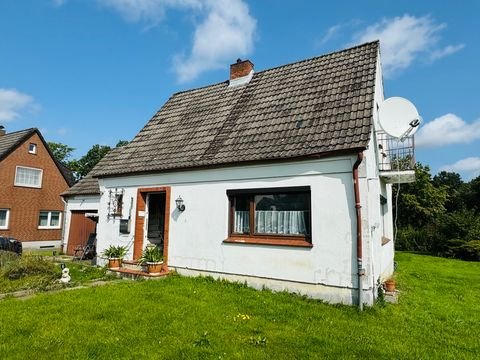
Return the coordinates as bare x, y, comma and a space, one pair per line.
10, 141
312, 107
86, 186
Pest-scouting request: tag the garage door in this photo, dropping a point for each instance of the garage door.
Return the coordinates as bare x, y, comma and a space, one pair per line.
80, 228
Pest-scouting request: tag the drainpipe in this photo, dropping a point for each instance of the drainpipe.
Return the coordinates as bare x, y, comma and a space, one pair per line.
358, 208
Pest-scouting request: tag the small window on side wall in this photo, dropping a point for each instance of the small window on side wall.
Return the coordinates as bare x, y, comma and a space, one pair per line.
49, 220
4, 218
32, 148
270, 216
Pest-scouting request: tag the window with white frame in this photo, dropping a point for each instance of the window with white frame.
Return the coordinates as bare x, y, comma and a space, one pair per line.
28, 177
4, 217
32, 148
49, 220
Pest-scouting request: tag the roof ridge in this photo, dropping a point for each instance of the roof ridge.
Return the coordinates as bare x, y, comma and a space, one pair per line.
19, 131
320, 56
284, 65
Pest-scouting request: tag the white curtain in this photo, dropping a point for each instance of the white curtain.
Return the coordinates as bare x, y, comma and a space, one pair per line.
280, 222
242, 222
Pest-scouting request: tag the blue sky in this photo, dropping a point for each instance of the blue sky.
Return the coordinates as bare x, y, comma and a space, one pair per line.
95, 71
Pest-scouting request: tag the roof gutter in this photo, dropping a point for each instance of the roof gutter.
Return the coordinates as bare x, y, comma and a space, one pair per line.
358, 209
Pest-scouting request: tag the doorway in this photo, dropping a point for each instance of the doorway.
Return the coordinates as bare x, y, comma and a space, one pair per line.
155, 213
152, 220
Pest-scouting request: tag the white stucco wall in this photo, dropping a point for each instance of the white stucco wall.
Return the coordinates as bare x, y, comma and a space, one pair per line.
196, 235
80, 203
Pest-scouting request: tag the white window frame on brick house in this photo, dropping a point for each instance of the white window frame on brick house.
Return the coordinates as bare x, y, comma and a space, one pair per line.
32, 148
25, 183
7, 219
49, 219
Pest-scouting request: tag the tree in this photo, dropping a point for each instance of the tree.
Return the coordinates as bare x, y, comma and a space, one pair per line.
61, 152
86, 163
420, 202
472, 197
456, 189
82, 166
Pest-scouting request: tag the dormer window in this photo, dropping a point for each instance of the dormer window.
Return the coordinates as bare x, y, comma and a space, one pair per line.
32, 148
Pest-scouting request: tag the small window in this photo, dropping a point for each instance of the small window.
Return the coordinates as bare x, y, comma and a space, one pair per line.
28, 177
270, 216
4, 217
32, 148
49, 220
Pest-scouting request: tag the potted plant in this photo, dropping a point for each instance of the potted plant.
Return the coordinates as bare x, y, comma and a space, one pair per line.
389, 284
153, 258
115, 255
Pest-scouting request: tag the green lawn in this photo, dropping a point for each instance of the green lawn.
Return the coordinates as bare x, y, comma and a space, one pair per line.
438, 317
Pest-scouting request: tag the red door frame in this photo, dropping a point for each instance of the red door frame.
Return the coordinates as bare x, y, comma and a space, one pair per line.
140, 221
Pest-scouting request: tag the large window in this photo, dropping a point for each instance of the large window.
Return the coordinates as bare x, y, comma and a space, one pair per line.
29, 177
279, 216
4, 217
49, 220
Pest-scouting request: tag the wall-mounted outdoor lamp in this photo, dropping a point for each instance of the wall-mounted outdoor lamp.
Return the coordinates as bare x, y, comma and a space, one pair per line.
180, 205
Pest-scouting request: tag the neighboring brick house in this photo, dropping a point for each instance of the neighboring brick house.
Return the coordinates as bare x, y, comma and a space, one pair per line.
31, 181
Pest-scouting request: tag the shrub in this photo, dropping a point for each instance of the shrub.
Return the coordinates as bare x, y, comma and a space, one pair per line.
115, 252
29, 265
465, 250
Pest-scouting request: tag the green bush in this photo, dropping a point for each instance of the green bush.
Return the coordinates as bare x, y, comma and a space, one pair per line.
465, 250
412, 239
28, 265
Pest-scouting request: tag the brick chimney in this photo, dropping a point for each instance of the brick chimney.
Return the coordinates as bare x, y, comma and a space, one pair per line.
240, 69
2, 130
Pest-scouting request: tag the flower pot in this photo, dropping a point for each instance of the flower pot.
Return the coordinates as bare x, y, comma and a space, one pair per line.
154, 267
114, 263
389, 285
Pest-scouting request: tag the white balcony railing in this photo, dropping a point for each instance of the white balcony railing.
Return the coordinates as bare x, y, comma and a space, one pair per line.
396, 158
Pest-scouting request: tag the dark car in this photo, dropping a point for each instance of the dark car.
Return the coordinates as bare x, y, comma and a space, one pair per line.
10, 244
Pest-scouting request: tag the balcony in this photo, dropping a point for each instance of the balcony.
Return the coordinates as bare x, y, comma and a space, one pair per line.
396, 158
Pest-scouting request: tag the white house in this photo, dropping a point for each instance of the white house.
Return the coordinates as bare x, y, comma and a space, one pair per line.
273, 178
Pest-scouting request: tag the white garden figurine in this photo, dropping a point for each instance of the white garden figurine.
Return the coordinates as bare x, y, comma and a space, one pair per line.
65, 276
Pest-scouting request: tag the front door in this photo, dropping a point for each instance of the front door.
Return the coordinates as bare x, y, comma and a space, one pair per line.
152, 220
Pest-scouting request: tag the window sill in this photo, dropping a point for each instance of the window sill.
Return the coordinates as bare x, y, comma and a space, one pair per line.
268, 241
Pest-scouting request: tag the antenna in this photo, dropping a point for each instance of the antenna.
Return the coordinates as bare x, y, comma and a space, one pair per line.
398, 117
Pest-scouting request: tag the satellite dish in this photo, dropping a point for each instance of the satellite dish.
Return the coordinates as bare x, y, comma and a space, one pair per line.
398, 117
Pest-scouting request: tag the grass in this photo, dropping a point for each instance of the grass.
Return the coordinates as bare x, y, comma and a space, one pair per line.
197, 318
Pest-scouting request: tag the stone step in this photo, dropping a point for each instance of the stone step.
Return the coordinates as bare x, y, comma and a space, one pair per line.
133, 265
126, 273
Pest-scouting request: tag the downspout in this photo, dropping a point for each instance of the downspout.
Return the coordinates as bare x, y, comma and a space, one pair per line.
358, 208
64, 221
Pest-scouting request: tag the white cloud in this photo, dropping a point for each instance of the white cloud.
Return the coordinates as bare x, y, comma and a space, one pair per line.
13, 103
150, 11
225, 32
59, 2
405, 39
447, 50
469, 165
446, 130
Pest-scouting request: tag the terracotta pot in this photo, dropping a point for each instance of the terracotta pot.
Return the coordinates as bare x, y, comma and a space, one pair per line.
389, 285
114, 263
154, 267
